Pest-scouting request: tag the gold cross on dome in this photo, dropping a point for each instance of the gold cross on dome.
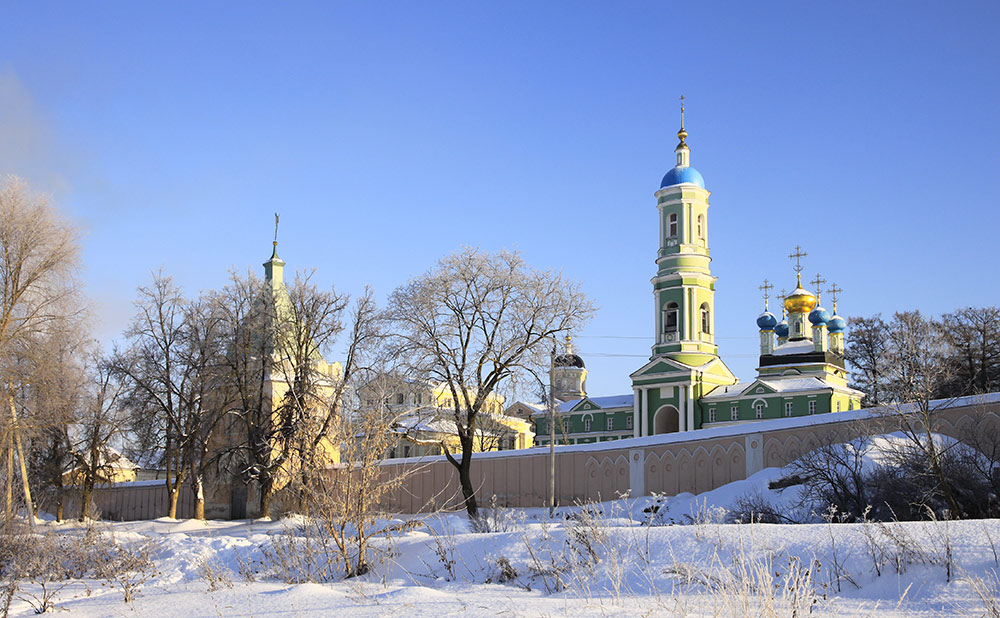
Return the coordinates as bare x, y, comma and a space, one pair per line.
818, 282
835, 293
797, 256
766, 289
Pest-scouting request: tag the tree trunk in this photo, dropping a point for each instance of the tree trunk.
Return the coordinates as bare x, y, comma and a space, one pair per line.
173, 494
266, 489
465, 476
59, 503
198, 486
85, 500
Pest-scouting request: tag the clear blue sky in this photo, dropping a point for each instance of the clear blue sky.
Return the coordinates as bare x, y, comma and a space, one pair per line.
390, 134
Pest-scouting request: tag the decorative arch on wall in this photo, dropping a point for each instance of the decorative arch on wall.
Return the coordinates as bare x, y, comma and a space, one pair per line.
666, 420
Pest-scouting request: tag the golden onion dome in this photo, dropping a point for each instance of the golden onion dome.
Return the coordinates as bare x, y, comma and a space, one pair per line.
800, 301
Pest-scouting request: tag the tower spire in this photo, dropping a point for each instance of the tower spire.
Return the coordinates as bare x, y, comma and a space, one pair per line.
274, 268
682, 150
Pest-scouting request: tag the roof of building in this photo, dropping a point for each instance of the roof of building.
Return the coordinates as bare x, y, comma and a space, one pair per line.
682, 175
568, 360
804, 346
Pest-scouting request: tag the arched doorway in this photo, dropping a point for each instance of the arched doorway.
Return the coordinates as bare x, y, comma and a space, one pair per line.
666, 420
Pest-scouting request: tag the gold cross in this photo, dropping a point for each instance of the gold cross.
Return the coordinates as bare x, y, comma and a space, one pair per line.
797, 256
766, 288
818, 282
275, 228
783, 295
835, 292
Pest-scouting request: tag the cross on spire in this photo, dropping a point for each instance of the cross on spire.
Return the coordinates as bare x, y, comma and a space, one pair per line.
834, 293
818, 282
783, 293
797, 256
682, 134
275, 229
766, 289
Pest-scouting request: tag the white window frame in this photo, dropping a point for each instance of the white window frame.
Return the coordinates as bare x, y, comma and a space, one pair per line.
759, 409
629, 422
789, 408
586, 424
711, 415
610, 423
672, 225
734, 413
812, 407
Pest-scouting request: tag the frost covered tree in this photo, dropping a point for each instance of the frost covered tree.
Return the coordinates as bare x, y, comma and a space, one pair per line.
476, 321
39, 298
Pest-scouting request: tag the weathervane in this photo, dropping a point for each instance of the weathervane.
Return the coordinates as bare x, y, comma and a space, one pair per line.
766, 289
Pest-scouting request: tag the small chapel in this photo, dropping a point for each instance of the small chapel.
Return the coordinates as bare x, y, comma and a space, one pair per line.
686, 385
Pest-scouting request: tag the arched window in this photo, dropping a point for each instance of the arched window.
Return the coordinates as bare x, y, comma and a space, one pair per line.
672, 225
701, 227
706, 319
670, 318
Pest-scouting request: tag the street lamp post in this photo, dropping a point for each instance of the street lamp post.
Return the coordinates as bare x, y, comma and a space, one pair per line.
552, 435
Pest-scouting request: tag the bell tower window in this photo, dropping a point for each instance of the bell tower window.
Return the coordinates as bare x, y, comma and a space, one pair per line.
701, 227
670, 318
672, 225
706, 319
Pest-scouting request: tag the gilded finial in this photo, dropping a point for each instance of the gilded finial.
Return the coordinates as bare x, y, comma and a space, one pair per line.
766, 289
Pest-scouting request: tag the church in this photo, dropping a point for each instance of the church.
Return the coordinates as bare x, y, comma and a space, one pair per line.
686, 385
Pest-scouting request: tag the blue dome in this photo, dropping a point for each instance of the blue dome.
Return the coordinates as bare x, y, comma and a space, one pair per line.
836, 324
781, 329
682, 175
767, 321
819, 316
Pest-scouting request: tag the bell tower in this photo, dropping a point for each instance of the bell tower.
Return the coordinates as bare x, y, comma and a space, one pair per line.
684, 365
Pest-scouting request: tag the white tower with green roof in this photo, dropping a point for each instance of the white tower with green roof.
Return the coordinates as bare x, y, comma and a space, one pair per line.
685, 364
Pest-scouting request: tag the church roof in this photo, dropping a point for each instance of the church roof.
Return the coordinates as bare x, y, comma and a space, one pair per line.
682, 175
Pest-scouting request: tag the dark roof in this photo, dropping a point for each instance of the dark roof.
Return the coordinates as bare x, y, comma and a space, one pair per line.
569, 360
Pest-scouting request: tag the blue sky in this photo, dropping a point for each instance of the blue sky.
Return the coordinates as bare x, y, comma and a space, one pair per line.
390, 134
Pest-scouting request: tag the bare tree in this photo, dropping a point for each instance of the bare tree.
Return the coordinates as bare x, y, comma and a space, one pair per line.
318, 437
172, 371
247, 307
38, 258
476, 321
916, 367
100, 425
973, 338
865, 351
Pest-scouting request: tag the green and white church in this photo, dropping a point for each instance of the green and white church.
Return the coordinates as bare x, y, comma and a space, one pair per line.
686, 385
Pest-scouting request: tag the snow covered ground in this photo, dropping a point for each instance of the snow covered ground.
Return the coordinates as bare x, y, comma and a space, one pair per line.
605, 560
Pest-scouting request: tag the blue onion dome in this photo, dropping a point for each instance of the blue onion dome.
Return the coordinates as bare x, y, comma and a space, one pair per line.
767, 321
683, 175
818, 316
836, 324
781, 329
